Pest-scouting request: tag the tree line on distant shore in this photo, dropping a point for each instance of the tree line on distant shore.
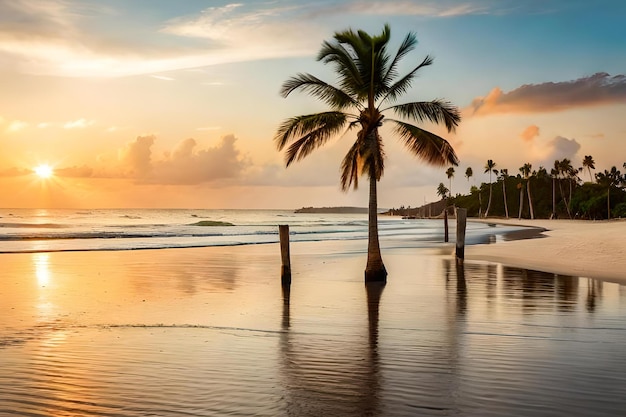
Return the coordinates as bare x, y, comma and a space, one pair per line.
559, 193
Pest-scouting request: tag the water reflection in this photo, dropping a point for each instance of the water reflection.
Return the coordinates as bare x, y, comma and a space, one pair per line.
329, 374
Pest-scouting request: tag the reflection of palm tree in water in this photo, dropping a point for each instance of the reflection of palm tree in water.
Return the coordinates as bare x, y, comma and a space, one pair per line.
323, 374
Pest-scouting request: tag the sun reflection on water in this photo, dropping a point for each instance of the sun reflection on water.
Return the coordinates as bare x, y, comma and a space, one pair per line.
41, 262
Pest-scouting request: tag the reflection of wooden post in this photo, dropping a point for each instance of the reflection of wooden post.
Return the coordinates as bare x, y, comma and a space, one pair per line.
445, 224
461, 222
285, 269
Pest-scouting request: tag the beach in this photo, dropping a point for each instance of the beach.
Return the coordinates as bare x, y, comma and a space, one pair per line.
594, 249
210, 331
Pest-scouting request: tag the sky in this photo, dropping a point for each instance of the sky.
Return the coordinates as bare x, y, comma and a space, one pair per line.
172, 104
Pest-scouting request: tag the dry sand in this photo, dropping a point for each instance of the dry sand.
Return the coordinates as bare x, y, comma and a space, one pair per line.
591, 249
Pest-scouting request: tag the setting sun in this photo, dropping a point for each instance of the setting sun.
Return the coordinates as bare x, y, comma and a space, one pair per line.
44, 171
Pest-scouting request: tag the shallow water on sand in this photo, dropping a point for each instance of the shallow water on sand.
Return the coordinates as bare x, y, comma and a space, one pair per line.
210, 332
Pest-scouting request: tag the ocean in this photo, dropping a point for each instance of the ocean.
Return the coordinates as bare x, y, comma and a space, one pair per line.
53, 230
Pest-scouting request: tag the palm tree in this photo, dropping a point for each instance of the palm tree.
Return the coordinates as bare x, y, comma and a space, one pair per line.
554, 173
442, 191
589, 163
564, 168
489, 167
450, 174
609, 179
504, 175
367, 80
469, 173
526, 171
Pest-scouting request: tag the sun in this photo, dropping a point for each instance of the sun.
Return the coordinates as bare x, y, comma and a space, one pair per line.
43, 171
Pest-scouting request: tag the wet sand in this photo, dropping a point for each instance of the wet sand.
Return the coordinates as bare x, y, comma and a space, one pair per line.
210, 332
593, 249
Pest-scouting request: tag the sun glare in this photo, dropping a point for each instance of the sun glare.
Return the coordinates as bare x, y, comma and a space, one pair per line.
44, 171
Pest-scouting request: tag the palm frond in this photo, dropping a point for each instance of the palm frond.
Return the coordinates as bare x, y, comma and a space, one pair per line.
312, 131
407, 46
351, 167
436, 111
425, 145
344, 61
402, 85
331, 95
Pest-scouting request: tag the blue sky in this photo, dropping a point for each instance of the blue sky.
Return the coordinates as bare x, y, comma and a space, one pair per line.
164, 103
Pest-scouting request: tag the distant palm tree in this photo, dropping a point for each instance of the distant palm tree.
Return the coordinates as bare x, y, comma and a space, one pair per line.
489, 167
469, 173
526, 171
564, 167
504, 175
367, 80
589, 163
609, 179
450, 174
442, 191
554, 173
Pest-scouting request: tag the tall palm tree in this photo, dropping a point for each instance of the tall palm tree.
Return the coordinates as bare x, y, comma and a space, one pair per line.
489, 167
469, 173
450, 174
526, 171
609, 179
589, 163
554, 173
504, 175
564, 166
367, 80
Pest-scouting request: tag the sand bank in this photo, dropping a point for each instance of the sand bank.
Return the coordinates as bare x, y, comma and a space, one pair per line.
592, 249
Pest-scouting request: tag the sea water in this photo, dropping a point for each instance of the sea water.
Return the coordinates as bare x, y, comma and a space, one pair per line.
48, 230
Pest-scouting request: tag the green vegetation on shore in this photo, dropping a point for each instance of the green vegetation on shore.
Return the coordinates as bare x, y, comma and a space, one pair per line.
560, 193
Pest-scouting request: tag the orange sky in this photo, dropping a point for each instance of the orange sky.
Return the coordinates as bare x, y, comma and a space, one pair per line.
150, 105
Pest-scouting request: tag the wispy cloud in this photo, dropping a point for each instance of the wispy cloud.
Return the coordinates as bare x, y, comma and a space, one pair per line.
162, 77
598, 89
78, 124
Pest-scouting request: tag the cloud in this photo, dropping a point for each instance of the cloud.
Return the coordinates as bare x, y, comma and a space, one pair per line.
162, 77
598, 89
15, 172
74, 172
189, 165
559, 148
439, 8
16, 125
530, 133
78, 124
136, 157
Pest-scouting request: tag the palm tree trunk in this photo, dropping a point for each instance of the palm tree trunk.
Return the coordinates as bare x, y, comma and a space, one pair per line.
375, 269
521, 202
489, 203
608, 204
565, 200
506, 207
553, 198
530, 200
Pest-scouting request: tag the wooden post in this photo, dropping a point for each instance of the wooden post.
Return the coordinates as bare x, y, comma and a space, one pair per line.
285, 269
445, 225
461, 222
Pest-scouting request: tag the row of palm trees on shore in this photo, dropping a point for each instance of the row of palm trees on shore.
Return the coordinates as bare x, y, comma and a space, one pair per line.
563, 175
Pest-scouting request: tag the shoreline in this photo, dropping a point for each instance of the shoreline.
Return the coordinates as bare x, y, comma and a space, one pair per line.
582, 248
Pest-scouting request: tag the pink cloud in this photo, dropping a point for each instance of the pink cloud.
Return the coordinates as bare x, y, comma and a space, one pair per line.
530, 133
598, 89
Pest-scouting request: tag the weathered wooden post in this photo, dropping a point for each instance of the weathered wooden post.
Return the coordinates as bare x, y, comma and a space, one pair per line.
461, 222
285, 269
445, 224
